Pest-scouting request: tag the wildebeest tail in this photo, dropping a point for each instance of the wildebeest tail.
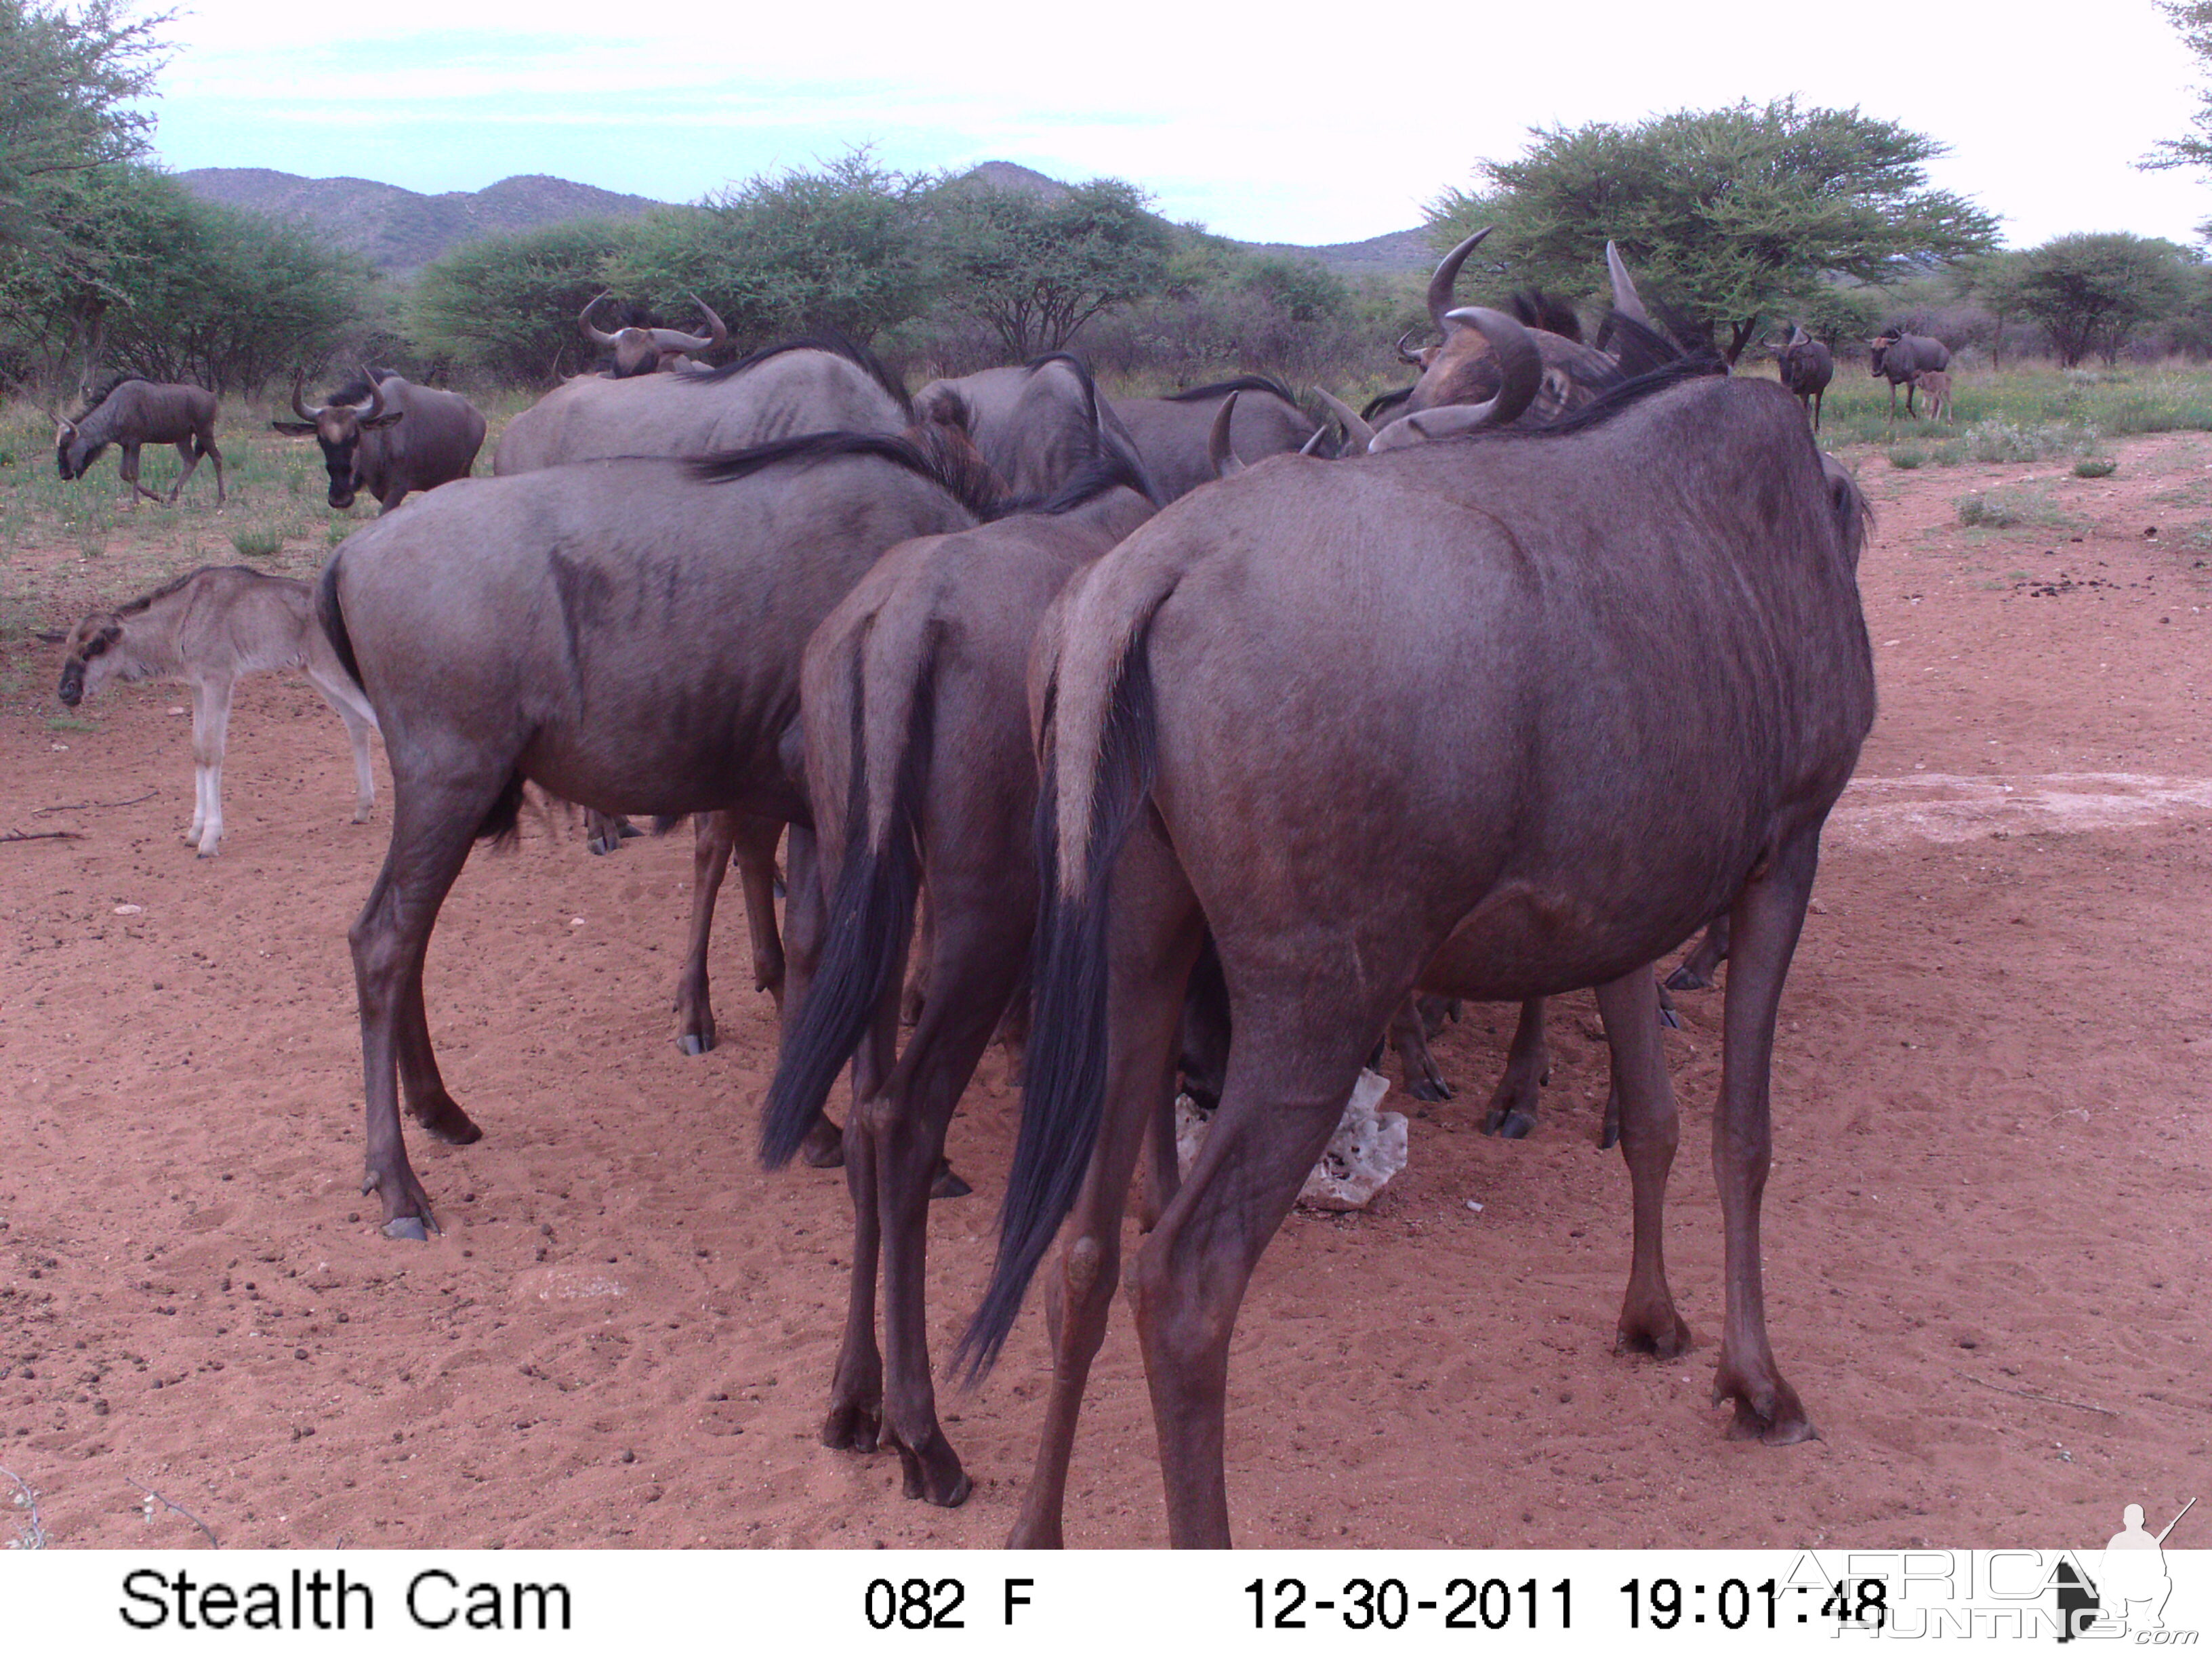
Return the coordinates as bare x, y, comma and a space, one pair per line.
330, 616
1100, 754
887, 709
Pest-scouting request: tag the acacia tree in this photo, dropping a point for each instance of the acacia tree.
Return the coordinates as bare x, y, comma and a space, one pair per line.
1726, 212
509, 305
1034, 270
2091, 292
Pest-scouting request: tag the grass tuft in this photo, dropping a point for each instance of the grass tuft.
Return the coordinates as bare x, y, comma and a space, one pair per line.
2095, 466
258, 541
2007, 509
1907, 460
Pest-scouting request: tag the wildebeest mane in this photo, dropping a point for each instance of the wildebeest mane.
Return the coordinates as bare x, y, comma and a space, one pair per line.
101, 392
357, 391
1534, 308
829, 340
145, 601
958, 482
1651, 362
1383, 402
1266, 383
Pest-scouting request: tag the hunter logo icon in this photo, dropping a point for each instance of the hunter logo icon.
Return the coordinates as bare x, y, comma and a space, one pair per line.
2130, 1588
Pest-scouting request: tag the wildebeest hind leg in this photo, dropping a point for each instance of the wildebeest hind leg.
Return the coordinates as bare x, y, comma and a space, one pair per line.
1650, 1129
1293, 1059
1768, 916
804, 921
1698, 969
1513, 1103
754, 847
427, 1102
1410, 1037
713, 838
433, 823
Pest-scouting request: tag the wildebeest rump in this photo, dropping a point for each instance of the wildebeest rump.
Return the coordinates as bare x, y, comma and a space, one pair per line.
1898, 357
1038, 426
919, 771
1805, 367
384, 436
626, 634
1624, 679
819, 383
131, 410
1170, 433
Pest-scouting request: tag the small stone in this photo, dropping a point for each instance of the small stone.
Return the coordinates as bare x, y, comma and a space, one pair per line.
628, 1456
1475, 1205
299, 1353
129, 909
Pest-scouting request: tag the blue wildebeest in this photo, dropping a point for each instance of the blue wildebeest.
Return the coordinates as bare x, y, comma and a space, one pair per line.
131, 410
651, 350
1898, 357
1039, 425
384, 437
1805, 367
1587, 747
1172, 433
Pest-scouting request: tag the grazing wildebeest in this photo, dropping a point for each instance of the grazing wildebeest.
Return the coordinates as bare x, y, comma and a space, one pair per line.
1038, 426
1806, 366
131, 410
651, 350
384, 436
1898, 357
1935, 384
626, 634
919, 772
1626, 678
816, 384
1171, 433
208, 629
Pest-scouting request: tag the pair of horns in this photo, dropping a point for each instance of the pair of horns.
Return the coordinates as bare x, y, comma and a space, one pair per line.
368, 411
1521, 367
666, 339
1626, 299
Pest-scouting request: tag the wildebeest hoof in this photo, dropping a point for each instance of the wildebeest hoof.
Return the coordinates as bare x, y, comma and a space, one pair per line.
408, 1226
948, 1185
602, 845
628, 830
824, 1146
694, 1043
1662, 1333
851, 1428
1512, 1124
1768, 1412
449, 1122
1431, 1087
1687, 978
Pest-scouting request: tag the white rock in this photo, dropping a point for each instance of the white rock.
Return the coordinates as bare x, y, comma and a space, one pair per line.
1368, 1148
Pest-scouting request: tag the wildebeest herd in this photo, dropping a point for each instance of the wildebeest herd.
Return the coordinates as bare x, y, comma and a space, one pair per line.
1183, 740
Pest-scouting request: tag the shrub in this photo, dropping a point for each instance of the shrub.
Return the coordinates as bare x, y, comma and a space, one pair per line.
2005, 509
258, 541
2095, 467
1906, 460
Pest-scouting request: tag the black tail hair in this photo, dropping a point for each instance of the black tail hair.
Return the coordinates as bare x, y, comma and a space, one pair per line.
871, 920
1111, 441
1064, 1072
824, 339
331, 616
1385, 401
1110, 469
502, 822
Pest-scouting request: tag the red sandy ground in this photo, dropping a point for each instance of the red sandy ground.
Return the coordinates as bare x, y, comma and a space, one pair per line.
1988, 1215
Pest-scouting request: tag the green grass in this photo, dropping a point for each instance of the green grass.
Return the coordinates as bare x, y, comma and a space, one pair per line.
259, 540
1907, 460
2095, 467
2007, 509
2025, 413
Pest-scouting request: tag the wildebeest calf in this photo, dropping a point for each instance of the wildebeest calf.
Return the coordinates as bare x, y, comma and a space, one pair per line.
207, 629
1935, 384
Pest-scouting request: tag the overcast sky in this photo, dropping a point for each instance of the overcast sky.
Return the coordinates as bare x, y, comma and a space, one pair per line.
1321, 124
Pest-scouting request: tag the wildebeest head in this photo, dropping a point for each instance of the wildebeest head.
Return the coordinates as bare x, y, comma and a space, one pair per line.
648, 351
73, 451
1878, 349
338, 427
86, 659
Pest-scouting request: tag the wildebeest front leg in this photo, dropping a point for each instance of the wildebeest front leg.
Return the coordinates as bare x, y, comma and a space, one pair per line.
1513, 1103
1698, 969
187, 459
805, 918
1764, 924
1649, 1129
210, 732
1409, 1035
433, 823
713, 838
128, 467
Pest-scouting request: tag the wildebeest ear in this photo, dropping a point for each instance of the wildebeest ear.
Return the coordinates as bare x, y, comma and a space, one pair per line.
382, 421
294, 428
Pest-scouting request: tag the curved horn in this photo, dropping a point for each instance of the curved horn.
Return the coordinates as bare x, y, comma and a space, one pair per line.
1797, 335
1626, 299
1218, 453
1447, 277
1312, 445
596, 336
375, 395
717, 334
1356, 430
1521, 370
299, 383
1405, 357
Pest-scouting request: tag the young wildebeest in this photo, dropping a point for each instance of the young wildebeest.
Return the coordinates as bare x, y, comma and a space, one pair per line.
919, 769
208, 629
1899, 358
1935, 384
132, 411
382, 436
1625, 678
626, 634
1806, 366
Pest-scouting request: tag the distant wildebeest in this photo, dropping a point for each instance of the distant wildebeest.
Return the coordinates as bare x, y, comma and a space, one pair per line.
383, 436
1935, 384
1806, 366
1172, 433
208, 629
131, 410
626, 634
1576, 745
651, 350
920, 776
816, 384
1038, 426
1898, 357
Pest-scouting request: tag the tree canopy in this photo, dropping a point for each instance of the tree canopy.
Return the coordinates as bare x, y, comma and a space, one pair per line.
2091, 292
1037, 270
1725, 212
